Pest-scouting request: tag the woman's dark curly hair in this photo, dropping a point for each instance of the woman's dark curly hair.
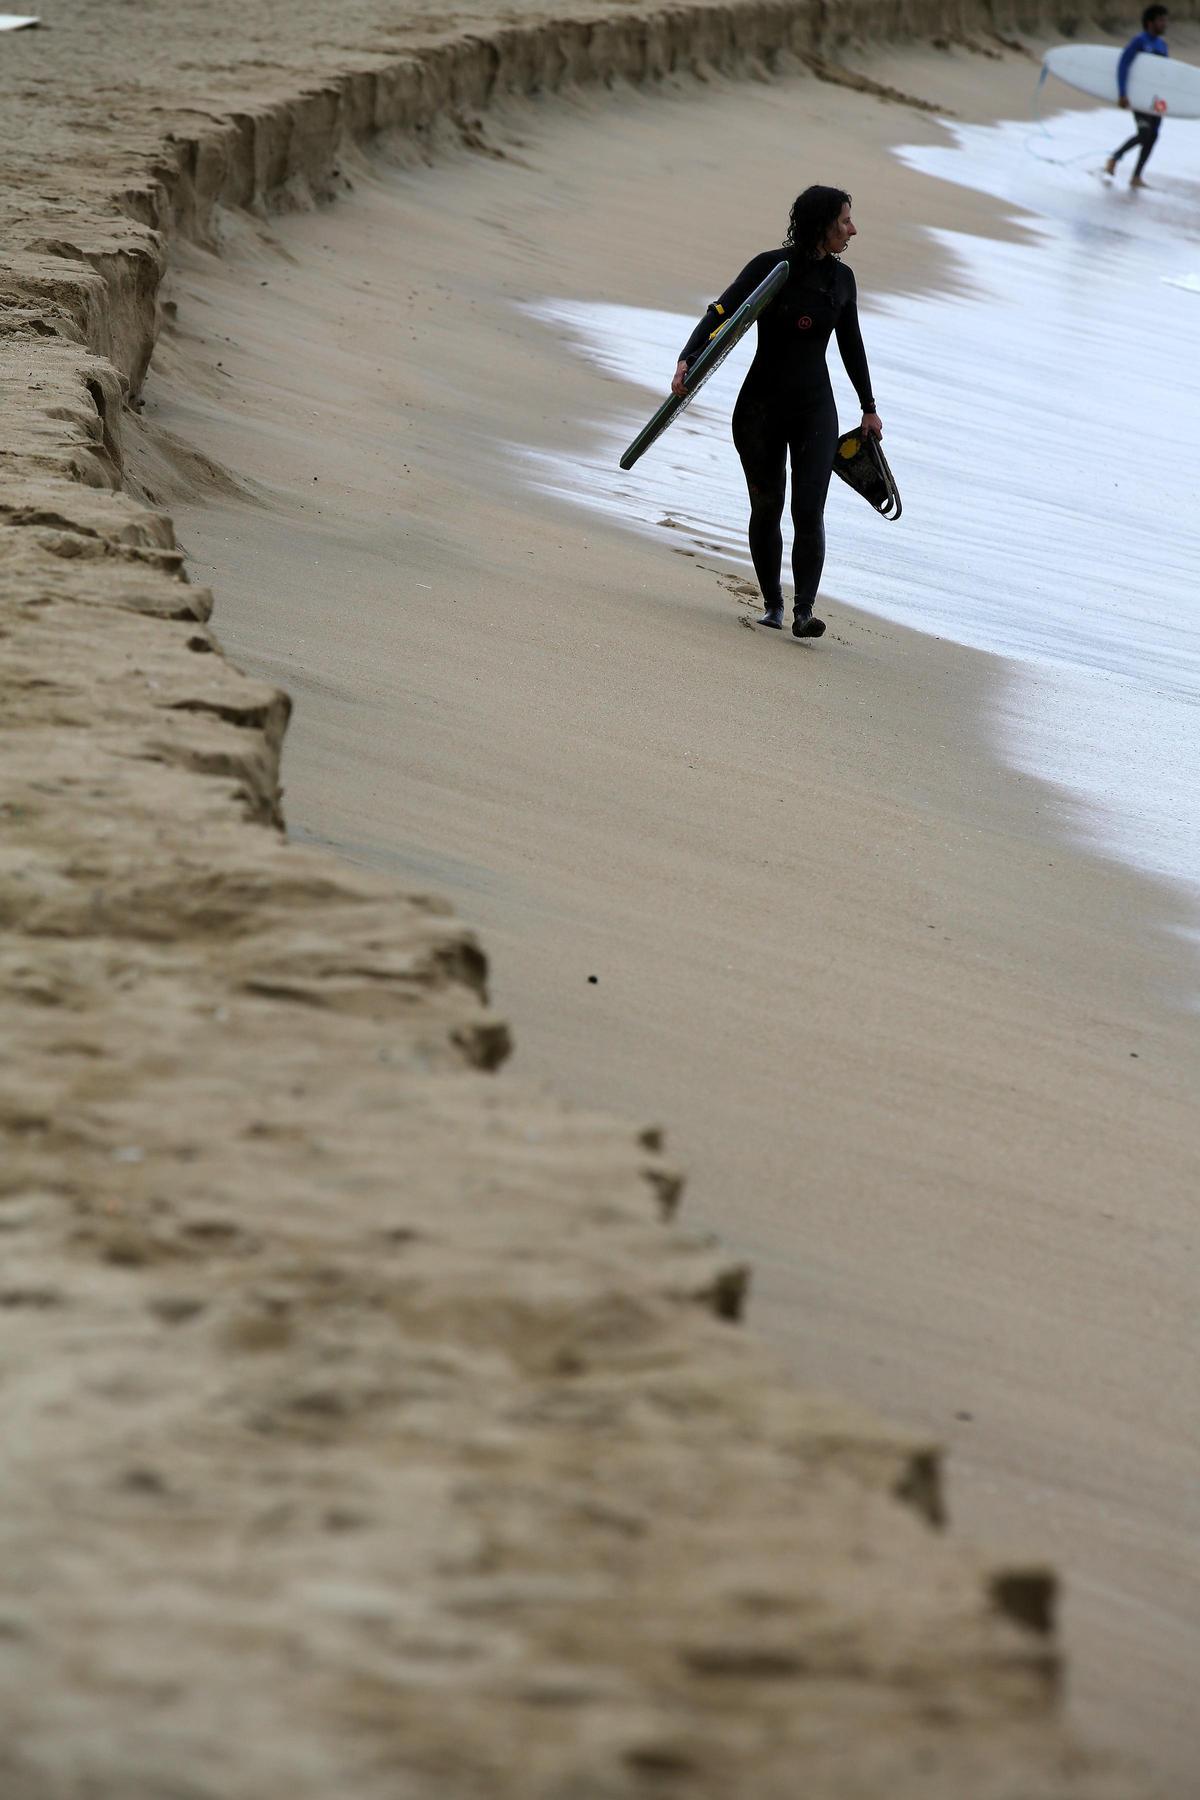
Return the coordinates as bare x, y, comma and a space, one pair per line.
813, 212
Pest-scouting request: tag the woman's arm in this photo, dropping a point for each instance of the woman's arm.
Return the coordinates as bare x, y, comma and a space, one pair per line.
716, 314
854, 357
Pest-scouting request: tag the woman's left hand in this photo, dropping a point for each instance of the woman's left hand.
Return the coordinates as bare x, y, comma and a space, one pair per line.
872, 425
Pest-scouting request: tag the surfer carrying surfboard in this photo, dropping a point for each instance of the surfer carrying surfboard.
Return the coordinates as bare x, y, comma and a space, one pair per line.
786, 406
1150, 41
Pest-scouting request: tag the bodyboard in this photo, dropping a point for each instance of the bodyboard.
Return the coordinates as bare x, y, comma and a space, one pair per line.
711, 357
860, 462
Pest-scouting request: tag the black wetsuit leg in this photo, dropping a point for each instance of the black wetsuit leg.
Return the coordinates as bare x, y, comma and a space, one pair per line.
1146, 136
812, 441
1148, 129
760, 438
768, 427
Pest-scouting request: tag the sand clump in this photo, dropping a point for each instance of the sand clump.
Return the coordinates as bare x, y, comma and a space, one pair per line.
371, 1428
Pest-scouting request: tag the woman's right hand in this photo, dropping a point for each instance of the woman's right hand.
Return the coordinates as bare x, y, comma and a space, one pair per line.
677, 386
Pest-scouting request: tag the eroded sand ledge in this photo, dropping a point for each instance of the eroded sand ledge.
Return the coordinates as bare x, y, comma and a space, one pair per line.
369, 1433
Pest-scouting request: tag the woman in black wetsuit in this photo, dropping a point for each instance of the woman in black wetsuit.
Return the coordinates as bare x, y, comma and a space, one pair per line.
786, 404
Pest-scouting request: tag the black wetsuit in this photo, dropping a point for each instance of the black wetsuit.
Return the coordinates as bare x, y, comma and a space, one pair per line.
786, 407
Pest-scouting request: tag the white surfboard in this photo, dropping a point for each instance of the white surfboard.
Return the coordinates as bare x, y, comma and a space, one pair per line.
1157, 84
17, 22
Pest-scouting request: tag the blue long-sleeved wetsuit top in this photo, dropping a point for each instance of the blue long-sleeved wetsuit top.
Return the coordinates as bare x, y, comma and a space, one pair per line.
1145, 43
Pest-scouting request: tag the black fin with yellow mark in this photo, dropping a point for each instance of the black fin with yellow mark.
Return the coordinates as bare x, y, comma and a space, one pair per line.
860, 462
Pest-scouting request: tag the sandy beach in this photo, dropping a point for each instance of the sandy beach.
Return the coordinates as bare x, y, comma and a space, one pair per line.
922, 1057
917, 1052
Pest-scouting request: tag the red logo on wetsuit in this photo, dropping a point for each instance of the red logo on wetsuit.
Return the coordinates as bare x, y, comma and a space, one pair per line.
804, 323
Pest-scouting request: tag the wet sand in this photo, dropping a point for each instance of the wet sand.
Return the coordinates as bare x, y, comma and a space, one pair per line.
918, 1053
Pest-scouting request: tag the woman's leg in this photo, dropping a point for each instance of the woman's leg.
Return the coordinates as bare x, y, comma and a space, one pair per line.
760, 439
813, 440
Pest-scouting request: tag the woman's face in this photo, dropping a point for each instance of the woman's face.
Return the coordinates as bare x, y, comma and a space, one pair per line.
840, 232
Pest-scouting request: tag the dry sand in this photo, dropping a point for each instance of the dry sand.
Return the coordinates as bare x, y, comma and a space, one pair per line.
919, 1054
368, 1433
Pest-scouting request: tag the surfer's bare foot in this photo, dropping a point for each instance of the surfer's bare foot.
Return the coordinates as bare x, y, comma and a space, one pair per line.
1110, 167
804, 625
773, 617
1138, 182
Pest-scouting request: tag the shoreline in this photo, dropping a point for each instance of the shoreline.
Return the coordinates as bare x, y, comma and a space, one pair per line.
238, 1061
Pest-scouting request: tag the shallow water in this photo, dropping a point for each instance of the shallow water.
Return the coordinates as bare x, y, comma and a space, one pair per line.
1043, 432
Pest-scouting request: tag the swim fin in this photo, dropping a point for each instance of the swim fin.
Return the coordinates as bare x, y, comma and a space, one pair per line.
862, 465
